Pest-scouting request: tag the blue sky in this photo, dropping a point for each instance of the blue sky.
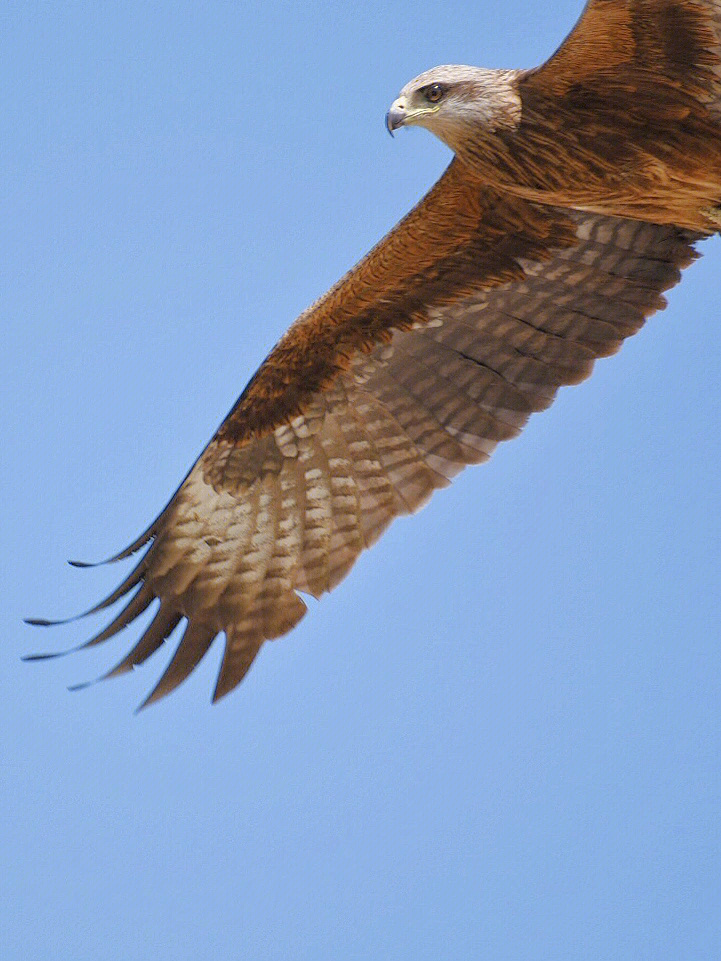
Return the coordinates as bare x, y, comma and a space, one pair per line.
500, 737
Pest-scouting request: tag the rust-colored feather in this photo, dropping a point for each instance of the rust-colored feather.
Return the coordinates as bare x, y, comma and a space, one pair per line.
624, 118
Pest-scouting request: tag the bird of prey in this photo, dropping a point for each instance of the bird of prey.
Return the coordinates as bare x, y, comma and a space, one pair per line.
575, 196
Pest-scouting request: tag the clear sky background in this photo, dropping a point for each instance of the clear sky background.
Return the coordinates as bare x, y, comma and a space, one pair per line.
500, 737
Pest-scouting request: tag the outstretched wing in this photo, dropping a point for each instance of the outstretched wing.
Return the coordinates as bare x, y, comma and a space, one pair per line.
625, 117
642, 43
464, 320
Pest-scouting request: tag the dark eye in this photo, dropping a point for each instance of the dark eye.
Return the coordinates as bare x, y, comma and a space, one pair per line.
433, 93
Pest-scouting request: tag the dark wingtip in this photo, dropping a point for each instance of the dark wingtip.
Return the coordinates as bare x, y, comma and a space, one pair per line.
81, 686
157, 694
131, 549
153, 697
45, 622
146, 703
51, 655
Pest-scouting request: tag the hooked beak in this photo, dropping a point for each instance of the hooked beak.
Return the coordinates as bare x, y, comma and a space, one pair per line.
396, 116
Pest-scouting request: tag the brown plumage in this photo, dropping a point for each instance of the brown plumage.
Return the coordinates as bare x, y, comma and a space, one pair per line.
577, 192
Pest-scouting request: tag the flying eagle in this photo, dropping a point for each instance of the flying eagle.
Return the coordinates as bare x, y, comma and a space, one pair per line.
575, 197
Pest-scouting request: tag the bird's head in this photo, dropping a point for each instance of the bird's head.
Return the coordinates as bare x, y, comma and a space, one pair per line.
455, 102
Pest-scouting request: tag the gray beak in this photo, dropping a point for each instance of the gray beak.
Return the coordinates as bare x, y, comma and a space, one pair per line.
396, 116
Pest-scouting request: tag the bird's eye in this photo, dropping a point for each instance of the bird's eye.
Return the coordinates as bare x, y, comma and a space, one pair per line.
433, 93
